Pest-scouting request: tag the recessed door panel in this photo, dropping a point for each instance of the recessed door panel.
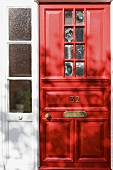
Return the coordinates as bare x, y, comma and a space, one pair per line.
75, 98
92, 134
58, 135
97, 50
53, 42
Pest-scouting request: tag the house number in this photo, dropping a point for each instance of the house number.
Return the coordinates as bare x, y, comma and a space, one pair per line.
77, 100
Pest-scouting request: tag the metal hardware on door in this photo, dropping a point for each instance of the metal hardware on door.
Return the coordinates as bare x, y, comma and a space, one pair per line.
47, 116
72, 99
75, 114
20, 117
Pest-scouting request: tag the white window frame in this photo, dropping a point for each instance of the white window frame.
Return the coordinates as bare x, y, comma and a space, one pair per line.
34, 116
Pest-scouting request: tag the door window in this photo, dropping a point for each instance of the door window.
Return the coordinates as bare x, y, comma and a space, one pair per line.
74, 43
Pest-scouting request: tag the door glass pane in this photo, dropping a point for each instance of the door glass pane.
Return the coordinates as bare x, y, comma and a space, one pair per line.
20, 96
68, 51
79, 34
68, 34
68, 17
79, 51
79, 17
79, 68
68, 68
19, 24
20, 60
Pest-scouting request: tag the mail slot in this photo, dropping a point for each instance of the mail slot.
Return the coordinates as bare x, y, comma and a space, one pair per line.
75, 114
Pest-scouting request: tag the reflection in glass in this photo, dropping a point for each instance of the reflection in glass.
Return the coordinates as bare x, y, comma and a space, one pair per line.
20, 96
79, 68
79, 34
68, 51
79, 17
19, 60
68, 68
68, 34
68, 17
79, 51
19, 24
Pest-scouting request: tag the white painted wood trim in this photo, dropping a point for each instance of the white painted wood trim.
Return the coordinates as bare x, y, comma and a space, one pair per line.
1, 122
35, 81
6, 117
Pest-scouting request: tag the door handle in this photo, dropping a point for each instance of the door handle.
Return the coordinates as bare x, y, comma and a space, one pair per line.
47, 116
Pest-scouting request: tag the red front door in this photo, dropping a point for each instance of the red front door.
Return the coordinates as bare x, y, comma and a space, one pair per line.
74, 87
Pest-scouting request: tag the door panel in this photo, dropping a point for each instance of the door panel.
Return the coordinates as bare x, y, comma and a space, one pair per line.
92, 134
74, 47
53, 42
75, 97
97, 51
59, 143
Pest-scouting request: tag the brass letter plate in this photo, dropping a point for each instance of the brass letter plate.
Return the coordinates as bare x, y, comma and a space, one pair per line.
75, 114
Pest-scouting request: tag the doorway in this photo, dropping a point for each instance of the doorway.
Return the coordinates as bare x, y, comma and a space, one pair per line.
74, 86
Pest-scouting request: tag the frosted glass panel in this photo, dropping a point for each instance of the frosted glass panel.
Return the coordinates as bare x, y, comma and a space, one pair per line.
68, 68
20, 96
68, 17
68, 34
79, 51
79, 17
79, 68
20, 60
68, 51
79, 34
19, 24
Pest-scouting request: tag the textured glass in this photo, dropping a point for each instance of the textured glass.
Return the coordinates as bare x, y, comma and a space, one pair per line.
19, 24
68, 68
19, 60
68, 34
68, 17
79, 51
68, 51
79, 68
79, 34
20, 96
79, 17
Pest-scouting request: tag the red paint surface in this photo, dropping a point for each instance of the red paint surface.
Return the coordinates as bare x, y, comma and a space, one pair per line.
75, 143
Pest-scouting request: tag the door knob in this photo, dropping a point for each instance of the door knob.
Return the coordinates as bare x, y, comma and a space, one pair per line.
47, 116
20, 117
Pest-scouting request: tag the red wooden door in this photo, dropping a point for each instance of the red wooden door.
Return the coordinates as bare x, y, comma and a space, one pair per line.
74, 87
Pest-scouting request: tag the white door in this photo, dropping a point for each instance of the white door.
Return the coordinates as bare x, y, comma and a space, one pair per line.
19, 84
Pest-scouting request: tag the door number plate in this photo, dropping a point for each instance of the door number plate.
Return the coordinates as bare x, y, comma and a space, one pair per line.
75, 114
